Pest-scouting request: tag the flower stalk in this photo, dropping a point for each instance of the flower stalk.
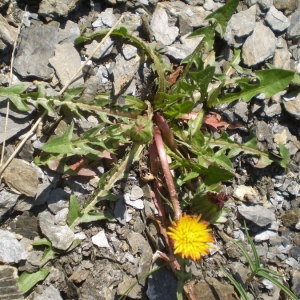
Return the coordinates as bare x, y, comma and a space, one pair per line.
167, 173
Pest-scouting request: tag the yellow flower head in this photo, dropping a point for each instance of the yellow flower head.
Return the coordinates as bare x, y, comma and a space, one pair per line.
191, 237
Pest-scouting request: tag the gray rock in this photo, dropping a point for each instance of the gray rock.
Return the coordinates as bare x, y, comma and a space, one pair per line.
138, 203
104, 50
289, 5
257, 49
22, 177
17, 121
48, 292
11, 250
102, 281
161, 30
162, 285
265, 4
181, 50
240, 26
277, 20
121, 213
282, 56
66, 62
57, 8
61, 236
58, 200
210, 5
32, 262
69, 33
294, 29
37, 45
263, 132
272, 108
100, 240
7, 201
241, 111
124, 71
106, 18
8, 34
130, 288
265, 236
296, 283
293, 107
139, 244
193, 15
136, 193
257, 214
9, 288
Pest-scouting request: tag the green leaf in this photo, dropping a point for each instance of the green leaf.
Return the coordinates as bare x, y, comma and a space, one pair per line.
14, 94
48, 254
74, 210
42, 242
203, 79
71, 93
178, 109
61, 144
215, 174
91, 217
28, 280
270, 82
236, 284
285, 156
223, 14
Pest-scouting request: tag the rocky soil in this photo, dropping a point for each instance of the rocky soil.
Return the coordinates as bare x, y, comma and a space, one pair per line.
114, 256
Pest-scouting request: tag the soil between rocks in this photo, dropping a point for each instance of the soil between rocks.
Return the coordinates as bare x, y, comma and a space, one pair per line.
114, 257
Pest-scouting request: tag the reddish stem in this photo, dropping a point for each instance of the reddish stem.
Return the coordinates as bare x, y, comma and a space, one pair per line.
166, 131
167, 173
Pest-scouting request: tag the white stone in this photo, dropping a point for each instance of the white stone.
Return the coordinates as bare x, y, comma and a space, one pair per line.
100, 240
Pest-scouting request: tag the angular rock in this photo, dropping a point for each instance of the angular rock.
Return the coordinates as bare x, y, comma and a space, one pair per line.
57, 8
282, 56
181, 50
22, 177
294, 29
130, 288
104, 278
58, 200
243, 192
9, 288
69, 33
277, 20
210, 289
17, 121
296, 283
256, 49
8, 34
37, 45
136, 193
138, 203
265, 4
100, 240
11, 250
121, 213
48, 292
257, 214
104, 50
7, 201
66, 62
194, 15
106, 18
161, 30
124, 71
162, 284
240, 26
289, 5
61, 236
293, 107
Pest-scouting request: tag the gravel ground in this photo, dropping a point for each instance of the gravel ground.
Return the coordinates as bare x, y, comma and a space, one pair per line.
113, 256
